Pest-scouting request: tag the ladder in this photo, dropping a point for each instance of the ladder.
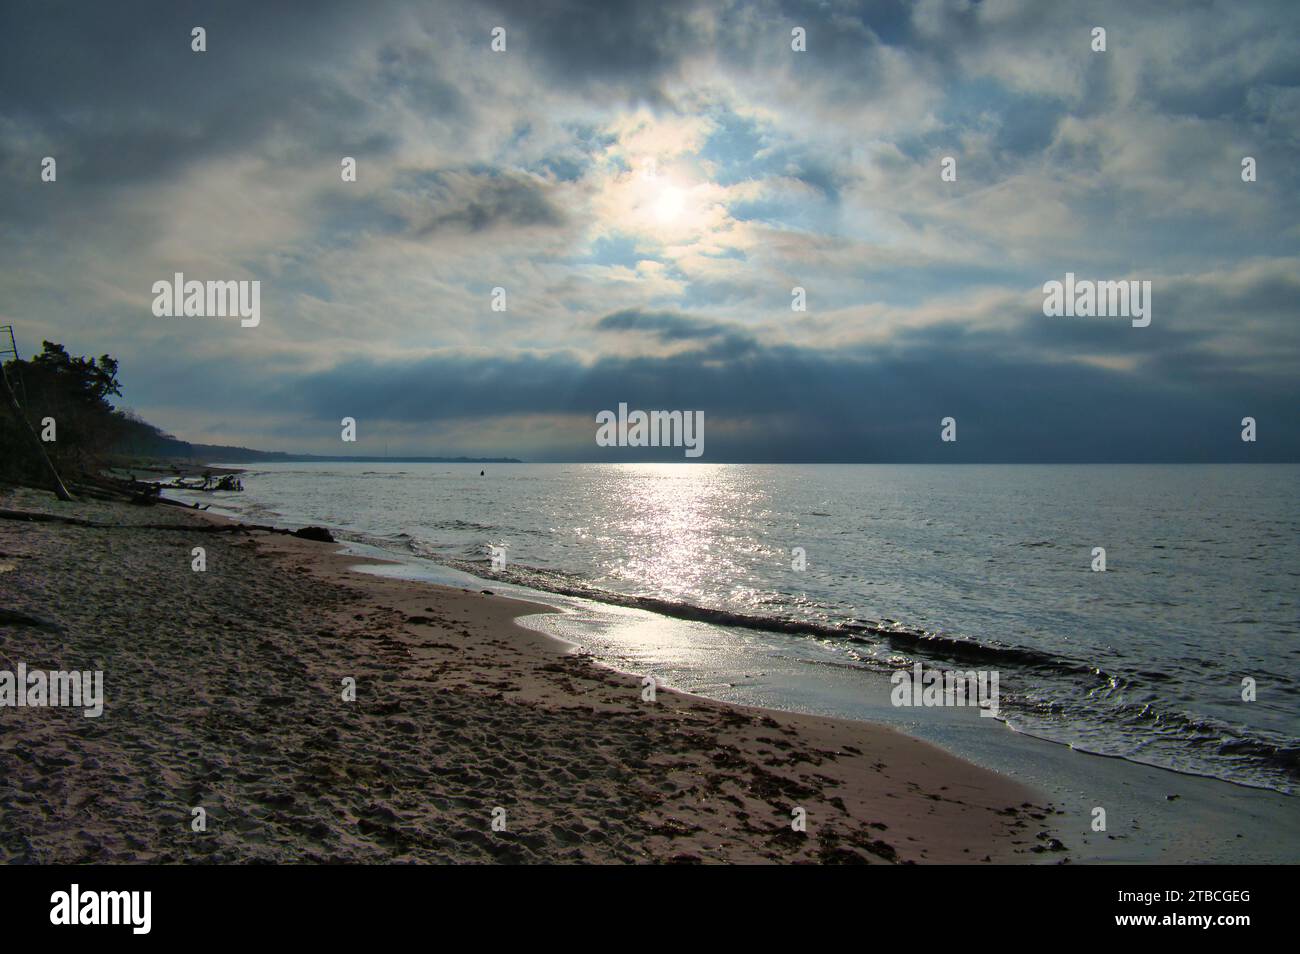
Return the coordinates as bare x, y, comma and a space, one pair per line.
20, 416
7, 331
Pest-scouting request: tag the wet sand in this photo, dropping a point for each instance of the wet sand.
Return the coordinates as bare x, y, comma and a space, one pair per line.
225, 691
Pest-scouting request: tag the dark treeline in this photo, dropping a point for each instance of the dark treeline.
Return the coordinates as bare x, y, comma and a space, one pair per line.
87, 428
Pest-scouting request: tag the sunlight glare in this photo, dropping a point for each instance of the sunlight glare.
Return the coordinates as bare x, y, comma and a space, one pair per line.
670, 203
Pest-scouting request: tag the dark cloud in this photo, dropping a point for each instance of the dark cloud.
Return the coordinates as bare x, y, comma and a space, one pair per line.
124, 99
718, 341
617, 49
785, 403
665, 325
477, 201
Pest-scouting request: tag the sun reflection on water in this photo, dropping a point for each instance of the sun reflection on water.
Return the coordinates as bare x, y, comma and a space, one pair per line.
677, 525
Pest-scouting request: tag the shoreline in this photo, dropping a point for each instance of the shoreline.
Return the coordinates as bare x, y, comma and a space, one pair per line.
459, 711
1113, 727
1155, 814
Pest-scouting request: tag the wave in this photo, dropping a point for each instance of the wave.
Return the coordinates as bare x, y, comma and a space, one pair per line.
889, 633
1080, 686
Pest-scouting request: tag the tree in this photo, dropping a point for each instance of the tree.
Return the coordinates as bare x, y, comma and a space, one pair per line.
72, 391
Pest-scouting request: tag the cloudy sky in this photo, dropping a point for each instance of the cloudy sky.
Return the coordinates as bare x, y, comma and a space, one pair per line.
648, 182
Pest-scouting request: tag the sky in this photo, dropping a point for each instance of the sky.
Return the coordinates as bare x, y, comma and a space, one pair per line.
648, 183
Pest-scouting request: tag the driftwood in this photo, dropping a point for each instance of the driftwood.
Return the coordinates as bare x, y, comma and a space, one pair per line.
103, 487
208, 483
98, 486
119, 490
37, 517
320, 534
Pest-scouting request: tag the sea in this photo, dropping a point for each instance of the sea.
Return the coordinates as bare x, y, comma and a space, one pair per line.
808, 586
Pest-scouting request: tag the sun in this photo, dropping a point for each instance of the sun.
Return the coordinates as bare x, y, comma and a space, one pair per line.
660, 204
669, 204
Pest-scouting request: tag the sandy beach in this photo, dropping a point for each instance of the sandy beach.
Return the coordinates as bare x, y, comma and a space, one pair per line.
224, 690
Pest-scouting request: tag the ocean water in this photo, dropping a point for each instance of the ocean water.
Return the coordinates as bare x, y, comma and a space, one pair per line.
970, 567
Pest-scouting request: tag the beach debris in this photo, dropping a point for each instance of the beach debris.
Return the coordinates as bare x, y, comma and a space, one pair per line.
41, 517
1049, 843
208, 483
308, 533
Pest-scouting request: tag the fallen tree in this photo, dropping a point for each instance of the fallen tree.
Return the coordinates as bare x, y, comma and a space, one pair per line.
319, 534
